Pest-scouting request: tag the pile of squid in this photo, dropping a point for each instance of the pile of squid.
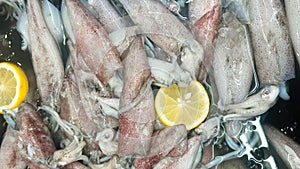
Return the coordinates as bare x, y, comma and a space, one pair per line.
99, 63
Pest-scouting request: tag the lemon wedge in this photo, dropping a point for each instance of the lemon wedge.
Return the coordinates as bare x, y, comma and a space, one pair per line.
182, 105
13, 86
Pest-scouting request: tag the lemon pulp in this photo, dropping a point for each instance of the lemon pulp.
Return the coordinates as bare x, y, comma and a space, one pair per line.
182, 105
13, 86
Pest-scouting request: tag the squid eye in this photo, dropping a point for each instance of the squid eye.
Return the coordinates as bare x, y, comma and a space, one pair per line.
266, 91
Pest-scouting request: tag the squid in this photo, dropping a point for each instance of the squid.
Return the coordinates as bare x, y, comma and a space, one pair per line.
292, 8
120, 29
272, 47
232, 64
136, 117
10, 156
36, 144
184, 161
45, 56
205, 17
93, 43
54, 22
169, 141
239, 7
287, 149
81, 107
167, 32
253, 106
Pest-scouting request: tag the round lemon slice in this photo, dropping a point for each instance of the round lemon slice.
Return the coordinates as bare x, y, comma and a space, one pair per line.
13, 86
182, 105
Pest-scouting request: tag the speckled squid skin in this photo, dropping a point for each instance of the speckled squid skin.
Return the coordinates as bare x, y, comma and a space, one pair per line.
73, 112
72, 109
107, 15
10, 156
167, 32
272, 46
205, 17
159, 24
113, 23
137, 123
35, 143
92, 42
78, 106
232, 64
184, 161
46, 59
292, 8
91, 90
170, 141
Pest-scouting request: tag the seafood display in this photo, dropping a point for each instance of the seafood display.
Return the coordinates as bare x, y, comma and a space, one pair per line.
97, 108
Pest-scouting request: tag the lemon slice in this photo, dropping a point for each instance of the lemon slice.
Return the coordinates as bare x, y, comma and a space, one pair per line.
13, 86
182, 105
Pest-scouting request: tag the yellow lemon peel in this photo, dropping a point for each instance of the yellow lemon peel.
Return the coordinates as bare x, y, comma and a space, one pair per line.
13, 86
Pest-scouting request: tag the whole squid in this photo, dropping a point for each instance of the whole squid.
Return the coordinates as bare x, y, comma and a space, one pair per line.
137, 114
34, 141
232, 64
205, 17
89, 87
167, 32
80, 104
272, 46
53, 21
93, 43
232, 69
72, 111
46, 59
292, 8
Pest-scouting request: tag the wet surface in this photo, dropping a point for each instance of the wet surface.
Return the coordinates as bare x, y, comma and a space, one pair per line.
285, 114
